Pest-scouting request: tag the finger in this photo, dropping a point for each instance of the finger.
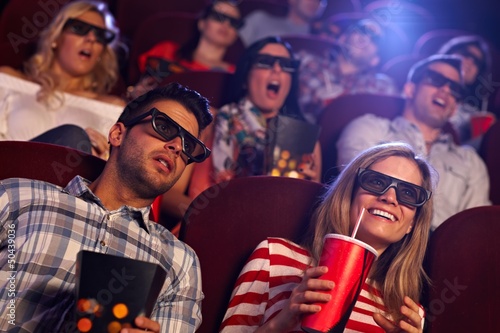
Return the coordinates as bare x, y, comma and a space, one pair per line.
310, 275
411, 304
408, 327
310, 296
147, 324
383, 322
305, 308
316, 271
412, 311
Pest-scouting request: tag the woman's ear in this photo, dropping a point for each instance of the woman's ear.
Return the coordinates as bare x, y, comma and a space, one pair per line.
201, 23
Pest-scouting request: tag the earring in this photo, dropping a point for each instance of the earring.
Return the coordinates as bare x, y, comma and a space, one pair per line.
53, 45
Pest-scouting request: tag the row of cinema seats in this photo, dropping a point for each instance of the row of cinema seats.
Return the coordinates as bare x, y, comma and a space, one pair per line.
462, 258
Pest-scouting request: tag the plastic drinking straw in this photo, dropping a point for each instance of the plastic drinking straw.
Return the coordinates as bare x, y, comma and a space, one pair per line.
358, 223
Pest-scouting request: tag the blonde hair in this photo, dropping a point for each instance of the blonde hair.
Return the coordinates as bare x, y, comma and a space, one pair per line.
105, 73
398, 271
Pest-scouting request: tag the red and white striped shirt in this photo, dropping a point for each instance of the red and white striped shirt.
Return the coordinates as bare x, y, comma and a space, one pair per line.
267, 280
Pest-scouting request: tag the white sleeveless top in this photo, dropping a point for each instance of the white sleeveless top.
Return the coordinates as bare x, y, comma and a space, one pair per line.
22, 117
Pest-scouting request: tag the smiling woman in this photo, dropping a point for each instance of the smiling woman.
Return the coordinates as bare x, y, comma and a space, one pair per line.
281, 283
61, 96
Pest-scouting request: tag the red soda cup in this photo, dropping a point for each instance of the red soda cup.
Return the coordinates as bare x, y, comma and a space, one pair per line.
349, 261
481, 122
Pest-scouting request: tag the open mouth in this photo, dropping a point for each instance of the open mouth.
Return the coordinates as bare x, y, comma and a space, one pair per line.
164, 163
273, 87
85, 53
381, 213
439, 102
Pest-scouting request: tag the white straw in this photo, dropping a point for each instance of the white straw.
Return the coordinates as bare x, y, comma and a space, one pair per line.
358, 223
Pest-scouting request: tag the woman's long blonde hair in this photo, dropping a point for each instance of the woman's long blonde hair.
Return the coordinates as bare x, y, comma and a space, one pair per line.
105, 74
398, 271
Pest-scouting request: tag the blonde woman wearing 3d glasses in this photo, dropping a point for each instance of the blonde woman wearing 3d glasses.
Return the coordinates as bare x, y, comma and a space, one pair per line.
61, 95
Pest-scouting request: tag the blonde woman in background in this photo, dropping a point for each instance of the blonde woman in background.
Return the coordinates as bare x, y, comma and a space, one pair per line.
62, 94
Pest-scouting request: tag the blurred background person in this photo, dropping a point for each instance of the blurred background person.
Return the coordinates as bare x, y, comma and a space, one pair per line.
301, 14
476, 67
61, 95
350, 68
265, 86
432, 92
216, 30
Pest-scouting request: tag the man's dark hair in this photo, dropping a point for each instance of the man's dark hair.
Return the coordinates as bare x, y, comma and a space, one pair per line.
416, 71
189, 99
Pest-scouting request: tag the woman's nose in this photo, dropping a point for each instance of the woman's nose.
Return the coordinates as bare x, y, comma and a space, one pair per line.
90, 36
389, 196
277, 66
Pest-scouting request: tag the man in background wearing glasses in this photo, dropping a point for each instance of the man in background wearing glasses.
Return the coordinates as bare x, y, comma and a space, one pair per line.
153, 140
433, 90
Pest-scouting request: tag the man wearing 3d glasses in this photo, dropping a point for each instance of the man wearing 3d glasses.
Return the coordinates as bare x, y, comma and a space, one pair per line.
433, 90
153, 140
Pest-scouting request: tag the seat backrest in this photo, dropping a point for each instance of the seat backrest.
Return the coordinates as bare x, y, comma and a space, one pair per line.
398, 68
341, 6
225, 223
21, 22
491, 156
463, 263
162, 26
340, 112
210, 84
130, 14
430, 42
275, 8
51, 163
313, 44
